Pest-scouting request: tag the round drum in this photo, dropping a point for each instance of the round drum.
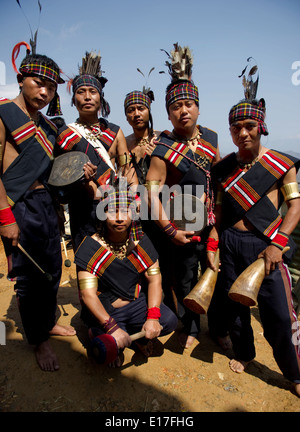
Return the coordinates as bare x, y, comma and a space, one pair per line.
187, 213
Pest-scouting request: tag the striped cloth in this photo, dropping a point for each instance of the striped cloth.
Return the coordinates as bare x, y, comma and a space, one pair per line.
45, 72
86, 80
136, 97
246, 110
182, 90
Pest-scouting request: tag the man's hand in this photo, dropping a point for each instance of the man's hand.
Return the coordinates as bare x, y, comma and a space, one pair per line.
183, 237
89, 171
152, 329
122, 338
11, 233
272, 256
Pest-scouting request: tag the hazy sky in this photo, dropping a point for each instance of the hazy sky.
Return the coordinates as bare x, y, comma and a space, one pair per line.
222, 34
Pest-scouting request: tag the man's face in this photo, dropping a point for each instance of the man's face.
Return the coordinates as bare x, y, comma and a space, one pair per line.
118, 220
245, 134
137, 116
37, 92
183, 115
87, 100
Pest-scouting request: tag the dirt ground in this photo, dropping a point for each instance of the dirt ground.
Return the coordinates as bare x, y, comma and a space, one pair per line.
196, 380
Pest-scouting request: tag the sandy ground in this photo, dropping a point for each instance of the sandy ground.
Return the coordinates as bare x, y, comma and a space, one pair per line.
196, 380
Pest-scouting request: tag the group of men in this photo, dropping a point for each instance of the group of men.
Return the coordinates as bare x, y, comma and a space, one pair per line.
133, 274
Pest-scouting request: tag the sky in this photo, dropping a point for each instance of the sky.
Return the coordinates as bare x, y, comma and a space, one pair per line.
130, 34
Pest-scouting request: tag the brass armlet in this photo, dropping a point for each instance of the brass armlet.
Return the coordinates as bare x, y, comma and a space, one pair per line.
154, 271
290, 191
124, 159
152, 185
88, 283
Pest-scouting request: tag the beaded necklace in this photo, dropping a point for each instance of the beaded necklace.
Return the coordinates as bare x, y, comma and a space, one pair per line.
118, 249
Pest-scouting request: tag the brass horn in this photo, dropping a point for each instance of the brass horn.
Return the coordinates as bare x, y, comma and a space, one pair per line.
198, 300
246, 287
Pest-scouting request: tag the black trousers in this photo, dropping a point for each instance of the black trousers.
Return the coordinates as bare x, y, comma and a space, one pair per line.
40, 237
238, 249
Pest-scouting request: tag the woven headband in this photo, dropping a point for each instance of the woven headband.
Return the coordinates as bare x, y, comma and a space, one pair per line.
45, 72
184, 90
86, 80
121, 199
245, 110
137, 97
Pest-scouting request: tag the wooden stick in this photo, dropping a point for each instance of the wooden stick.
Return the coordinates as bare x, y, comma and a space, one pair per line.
47, 275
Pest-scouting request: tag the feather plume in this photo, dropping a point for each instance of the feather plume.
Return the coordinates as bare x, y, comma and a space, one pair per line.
33, 39
250, 84
180, 63
146, 90
91, 65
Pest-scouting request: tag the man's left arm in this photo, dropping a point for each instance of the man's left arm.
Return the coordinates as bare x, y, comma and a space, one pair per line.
273, 253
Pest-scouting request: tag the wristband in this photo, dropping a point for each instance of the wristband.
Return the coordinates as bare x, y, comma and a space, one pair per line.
170, 230
110, 326
280, 240
153, 313
212, 244
7, 217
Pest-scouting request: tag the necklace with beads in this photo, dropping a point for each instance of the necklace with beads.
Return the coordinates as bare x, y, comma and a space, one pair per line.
247, 165
94, 130
118, 249
142, 141
201, 160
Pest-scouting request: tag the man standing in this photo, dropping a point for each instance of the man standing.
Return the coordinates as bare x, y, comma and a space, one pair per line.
137, 106
102, 141
253, 183
27, 212
182, 157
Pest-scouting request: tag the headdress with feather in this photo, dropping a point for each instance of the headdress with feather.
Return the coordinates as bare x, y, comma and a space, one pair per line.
144, 97
180, 66
250, 107
90, 74
38, 65
250, 85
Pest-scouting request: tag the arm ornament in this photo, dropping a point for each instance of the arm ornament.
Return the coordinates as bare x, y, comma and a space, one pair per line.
88, 283
6, 217
280, 240
290, 191
154, 271
152, 185
124, 159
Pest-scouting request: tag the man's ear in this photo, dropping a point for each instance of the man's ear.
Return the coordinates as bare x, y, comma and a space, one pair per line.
20, 78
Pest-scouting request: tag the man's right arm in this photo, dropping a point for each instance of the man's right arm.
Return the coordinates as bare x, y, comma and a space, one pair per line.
8, 226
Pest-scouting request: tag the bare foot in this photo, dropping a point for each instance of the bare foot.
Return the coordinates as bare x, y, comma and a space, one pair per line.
238, 366
185, 340
297, 389
224, 342
46, 357
147, 349
59, 330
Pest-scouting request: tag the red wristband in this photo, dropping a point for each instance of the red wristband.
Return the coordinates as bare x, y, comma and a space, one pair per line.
212, 244
153, 313
7, 217
280, 240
